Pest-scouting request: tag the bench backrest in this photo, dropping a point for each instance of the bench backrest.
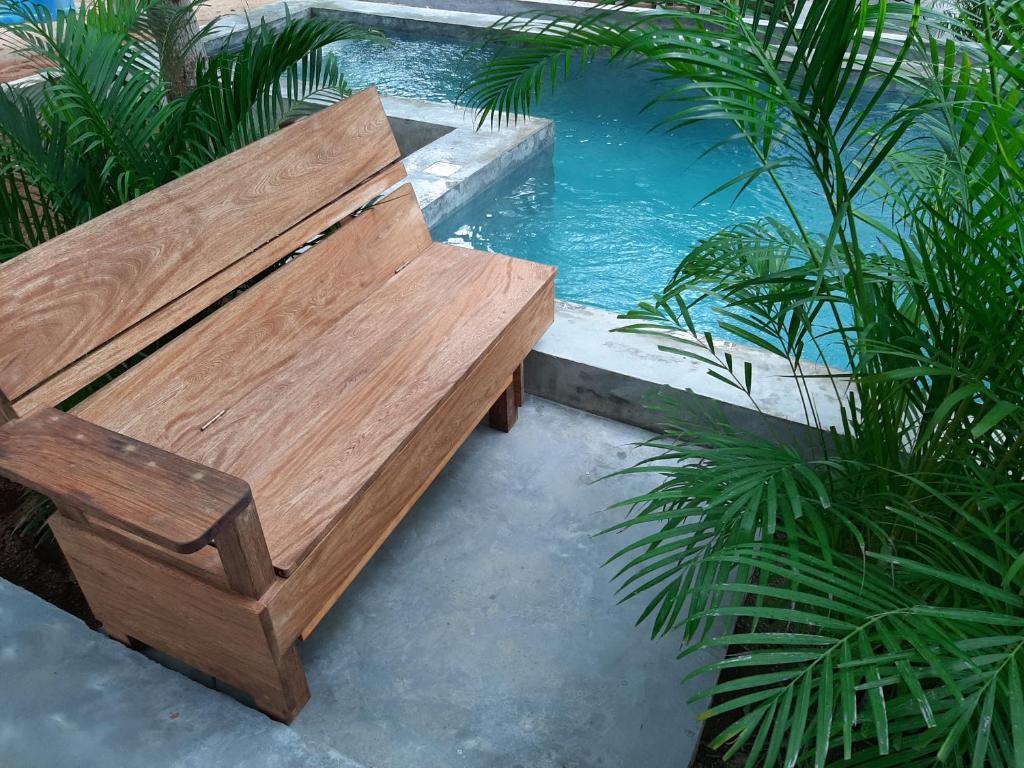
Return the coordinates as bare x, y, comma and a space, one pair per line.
78, 305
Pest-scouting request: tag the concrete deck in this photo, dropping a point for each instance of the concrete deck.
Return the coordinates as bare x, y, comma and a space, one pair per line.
484, 633
454, 162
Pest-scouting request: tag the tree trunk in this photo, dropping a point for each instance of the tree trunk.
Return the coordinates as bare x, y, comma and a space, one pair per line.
174, 23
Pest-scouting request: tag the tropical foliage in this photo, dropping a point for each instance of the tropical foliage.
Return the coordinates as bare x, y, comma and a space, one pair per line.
874, 585
100, 127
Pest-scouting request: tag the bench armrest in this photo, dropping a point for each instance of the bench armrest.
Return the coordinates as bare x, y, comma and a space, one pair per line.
163, 498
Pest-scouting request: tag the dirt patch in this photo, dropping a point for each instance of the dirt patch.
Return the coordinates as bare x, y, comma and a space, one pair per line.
706, 757
42, 569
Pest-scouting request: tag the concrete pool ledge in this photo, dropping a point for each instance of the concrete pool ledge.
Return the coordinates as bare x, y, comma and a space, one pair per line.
583, 363
410, 19
449, 162
385, 17
463, 19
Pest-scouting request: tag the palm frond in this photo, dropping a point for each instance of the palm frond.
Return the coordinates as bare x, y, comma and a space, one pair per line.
871, 594
273, 78
102, 126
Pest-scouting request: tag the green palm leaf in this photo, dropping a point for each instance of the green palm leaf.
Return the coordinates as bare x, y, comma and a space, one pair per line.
101, 127
273, 78
870, 594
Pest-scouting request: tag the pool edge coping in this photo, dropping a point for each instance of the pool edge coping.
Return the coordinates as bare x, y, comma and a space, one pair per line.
476, 160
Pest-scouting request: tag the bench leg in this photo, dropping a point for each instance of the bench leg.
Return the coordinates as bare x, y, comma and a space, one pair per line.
505, 410
123, 639
292, 693
226, 635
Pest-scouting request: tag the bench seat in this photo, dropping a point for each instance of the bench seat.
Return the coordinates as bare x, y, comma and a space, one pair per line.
296, 361
325, 369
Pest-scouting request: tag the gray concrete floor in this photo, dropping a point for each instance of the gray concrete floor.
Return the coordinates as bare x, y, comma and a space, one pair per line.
484, 633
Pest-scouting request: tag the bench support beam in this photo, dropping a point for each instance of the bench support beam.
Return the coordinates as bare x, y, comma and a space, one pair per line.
292, 692
6, 410
139, 600
505, 411
244, 554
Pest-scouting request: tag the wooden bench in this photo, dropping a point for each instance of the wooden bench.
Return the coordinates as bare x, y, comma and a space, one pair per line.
216, 499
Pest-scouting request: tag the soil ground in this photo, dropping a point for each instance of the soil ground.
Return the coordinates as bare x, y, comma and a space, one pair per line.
39, 568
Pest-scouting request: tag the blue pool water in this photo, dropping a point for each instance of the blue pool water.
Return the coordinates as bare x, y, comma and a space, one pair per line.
53, 6
619, 204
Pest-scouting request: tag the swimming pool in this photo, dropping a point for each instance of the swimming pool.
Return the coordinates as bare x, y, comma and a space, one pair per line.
618, 205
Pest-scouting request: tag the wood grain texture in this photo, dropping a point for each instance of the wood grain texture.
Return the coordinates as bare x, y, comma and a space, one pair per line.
346, 351
7, 412
519, 385
243, 553
176, 391
220, 633
93, 365
296, 603
203, 564
66, 297
504, 413
161, 497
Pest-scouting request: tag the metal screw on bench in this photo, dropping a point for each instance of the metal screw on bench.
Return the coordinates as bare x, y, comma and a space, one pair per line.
220, 413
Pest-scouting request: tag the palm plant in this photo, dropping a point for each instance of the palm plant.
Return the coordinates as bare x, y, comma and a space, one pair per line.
101, 125
876, 587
